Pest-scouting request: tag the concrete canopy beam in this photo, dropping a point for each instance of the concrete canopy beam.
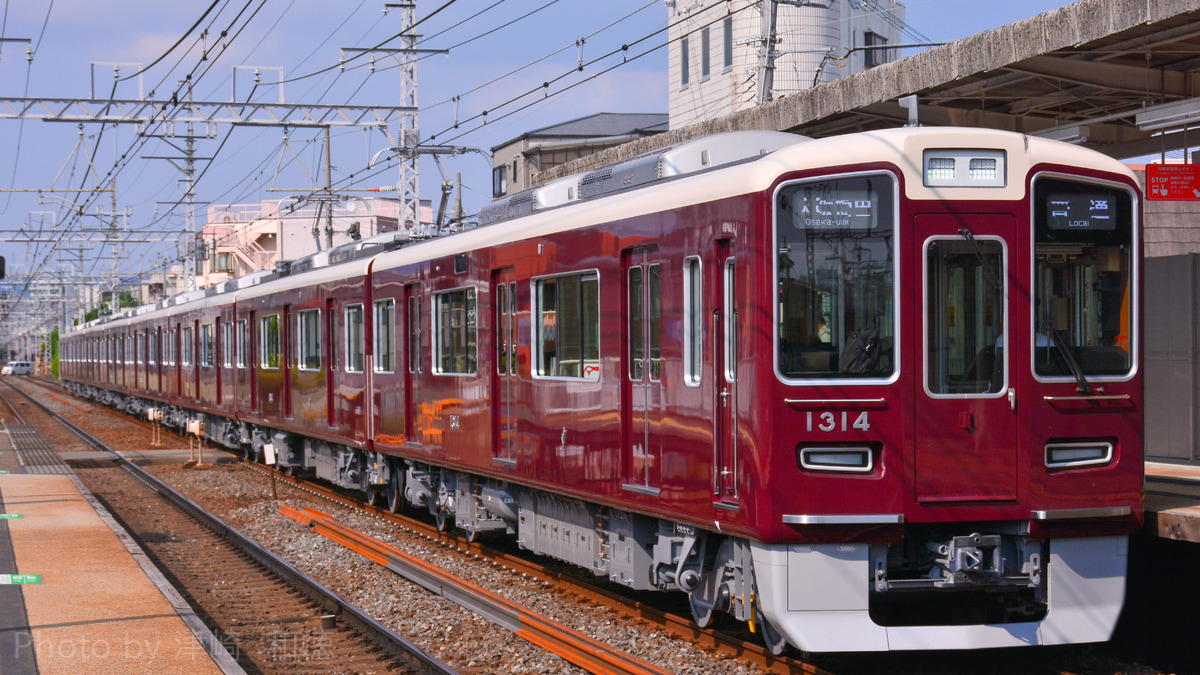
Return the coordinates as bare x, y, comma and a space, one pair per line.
1133, 79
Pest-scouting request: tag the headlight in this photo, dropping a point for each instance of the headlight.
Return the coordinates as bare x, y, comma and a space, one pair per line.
951, 167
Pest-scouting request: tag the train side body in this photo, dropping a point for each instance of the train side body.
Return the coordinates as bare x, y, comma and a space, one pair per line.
818, 390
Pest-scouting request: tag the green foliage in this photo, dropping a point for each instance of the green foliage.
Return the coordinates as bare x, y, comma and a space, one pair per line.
54, 353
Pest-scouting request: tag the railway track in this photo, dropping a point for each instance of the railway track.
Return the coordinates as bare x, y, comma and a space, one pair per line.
270, 616
745, 649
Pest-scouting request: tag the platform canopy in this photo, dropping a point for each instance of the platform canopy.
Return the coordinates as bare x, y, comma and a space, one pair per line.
1119, 76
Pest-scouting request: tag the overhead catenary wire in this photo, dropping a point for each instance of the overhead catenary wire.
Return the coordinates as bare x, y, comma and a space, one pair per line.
122, 160
470, 125
583, 65
350, 180
33, 49
364, 52
177, 42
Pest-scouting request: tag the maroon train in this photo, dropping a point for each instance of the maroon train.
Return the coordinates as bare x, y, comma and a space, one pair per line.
873, 392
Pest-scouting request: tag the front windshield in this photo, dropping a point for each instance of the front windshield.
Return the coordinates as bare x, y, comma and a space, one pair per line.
836, 278
1083, 271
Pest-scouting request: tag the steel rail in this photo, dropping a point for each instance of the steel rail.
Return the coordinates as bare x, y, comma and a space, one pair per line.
571, 645
679, 625
16, 413
388, 640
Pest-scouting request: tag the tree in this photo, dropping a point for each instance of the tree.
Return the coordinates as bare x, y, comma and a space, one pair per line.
54, 353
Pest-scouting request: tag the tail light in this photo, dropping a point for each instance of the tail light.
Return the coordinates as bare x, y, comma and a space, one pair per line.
1077, 454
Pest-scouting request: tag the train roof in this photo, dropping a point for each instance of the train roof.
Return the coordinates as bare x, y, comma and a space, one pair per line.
754, 172
717, 167
321, 275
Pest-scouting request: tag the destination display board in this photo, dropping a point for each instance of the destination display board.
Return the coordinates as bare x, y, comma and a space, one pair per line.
1173, 182
1087, 210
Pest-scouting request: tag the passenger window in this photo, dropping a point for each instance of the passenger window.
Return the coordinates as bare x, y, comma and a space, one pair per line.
506, 327
414, 331
965, 316
637, 354
228, 344
456, 330
385, 336
693, 321
241, 344
655, 323
269, 344
207, 351
308, 335
187, 349
355, 341
568, 326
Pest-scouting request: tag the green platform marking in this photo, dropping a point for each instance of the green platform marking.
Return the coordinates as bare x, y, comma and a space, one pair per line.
11, 579
9, 516
3, 472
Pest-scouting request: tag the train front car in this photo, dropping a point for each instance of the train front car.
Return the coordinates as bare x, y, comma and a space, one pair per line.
954, 406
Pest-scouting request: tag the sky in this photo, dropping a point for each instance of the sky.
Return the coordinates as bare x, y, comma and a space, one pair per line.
491, 55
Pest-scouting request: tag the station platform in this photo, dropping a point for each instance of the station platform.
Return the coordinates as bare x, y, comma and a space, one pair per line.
1172, 501
77, 594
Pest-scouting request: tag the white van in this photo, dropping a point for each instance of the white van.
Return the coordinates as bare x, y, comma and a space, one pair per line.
17, 368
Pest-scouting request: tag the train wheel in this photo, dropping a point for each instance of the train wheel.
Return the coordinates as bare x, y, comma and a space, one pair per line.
774, 641
443, 520
702, 614
395, 496
372, 497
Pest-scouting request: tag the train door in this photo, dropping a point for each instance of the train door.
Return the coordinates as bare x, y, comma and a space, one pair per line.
285, 359
330, 360
177, 361
725, 404
253, 359
216, 358
156, 356
197, 359
121, 361
966, 415
412, 359
642, 386
504, 431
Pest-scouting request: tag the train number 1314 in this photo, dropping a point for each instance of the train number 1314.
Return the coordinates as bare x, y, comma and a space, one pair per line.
838, 421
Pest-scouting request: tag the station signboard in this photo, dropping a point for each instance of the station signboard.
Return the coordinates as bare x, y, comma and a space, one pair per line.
1173, 182
20, 579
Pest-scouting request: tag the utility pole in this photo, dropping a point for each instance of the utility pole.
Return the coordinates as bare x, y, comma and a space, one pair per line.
187, 166
406, 144
409, 184
328, 190
766, 51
